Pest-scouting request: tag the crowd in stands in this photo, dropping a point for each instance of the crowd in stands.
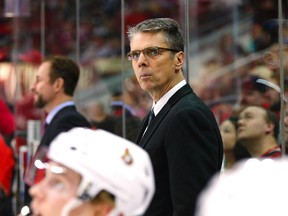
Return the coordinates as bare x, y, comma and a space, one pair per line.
100, 27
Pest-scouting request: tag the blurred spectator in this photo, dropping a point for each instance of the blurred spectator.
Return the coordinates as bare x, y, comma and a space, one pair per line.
132, 122
258, 130
229, 49
25, 110
274, 96
285, 34
228, 129
262, 71
259, 38
264, 10
100, 118
272, 61
233, 150
7, 122
24, 106
253, 93
138, 99
271, 57
117, 105
33, 57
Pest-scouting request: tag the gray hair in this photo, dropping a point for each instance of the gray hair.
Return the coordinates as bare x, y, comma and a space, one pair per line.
169, 27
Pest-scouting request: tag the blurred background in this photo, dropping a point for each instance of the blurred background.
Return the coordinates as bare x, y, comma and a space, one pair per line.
228, 44
225, 41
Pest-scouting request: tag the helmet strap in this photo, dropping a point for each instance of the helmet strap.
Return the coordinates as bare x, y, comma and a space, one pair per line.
71, 204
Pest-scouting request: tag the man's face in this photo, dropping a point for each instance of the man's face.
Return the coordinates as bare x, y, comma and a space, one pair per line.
51, 194
42, 88
155, 74
252, 124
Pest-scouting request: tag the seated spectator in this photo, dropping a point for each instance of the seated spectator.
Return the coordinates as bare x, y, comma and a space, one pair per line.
254, 93
99, 118
233, 150
132, 122
93, 172
260, 38
258, 130
119, 103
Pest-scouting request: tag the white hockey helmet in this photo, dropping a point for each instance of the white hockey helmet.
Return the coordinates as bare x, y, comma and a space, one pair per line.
107, 162
252, 187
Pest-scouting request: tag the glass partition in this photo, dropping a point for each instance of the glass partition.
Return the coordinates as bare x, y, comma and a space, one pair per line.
230, 44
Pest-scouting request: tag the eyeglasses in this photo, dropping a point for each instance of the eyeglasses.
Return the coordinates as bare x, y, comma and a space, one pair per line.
148, 52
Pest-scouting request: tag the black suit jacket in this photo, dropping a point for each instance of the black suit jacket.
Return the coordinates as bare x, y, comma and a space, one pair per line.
64, 120
185, 146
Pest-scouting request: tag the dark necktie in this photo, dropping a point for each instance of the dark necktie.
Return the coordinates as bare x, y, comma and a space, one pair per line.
151, 116
43, 128
46, 125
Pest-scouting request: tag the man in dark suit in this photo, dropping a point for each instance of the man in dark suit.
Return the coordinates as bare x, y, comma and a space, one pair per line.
53, 88
183, 140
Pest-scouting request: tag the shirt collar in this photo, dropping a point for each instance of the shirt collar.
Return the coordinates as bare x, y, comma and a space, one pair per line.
56, 109
163, 100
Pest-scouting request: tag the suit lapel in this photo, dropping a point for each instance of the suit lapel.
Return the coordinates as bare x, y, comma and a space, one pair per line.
50, 126
143, 139
153, 126
142, 128
186, 89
